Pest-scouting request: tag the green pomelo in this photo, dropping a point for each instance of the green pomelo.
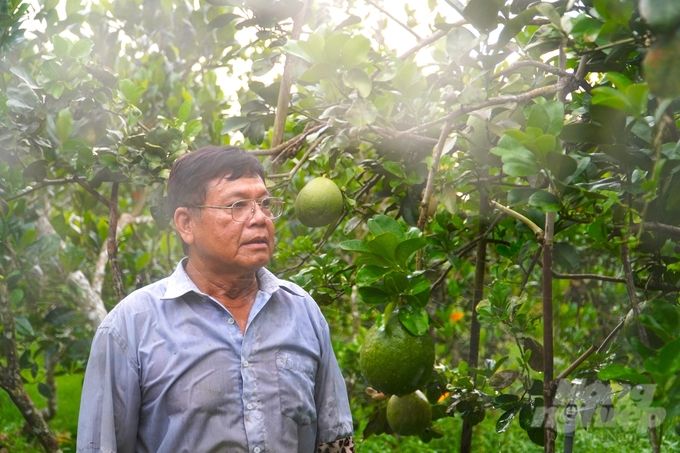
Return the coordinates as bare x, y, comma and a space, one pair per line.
410, 414
393, 360
319, 203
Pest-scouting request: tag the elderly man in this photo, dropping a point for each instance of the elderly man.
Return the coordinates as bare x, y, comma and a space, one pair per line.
221, 356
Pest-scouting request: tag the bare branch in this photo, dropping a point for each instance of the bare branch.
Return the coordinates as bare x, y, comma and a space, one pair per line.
655, 226
537, 64
400, 23
93, 192
538, 232
44, 183
426, 42
284, 88
499, 100
112, 243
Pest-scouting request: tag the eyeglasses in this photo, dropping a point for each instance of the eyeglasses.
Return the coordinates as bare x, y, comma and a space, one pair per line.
244, 210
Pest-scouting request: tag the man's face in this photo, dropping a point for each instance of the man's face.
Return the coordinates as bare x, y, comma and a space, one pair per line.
225, 245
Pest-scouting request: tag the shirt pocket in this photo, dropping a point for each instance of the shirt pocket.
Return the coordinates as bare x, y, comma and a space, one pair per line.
296, 377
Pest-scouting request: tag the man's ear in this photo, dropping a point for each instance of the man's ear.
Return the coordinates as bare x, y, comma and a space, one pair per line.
184, 223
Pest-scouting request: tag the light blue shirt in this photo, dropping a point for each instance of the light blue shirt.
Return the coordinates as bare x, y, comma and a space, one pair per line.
170, 371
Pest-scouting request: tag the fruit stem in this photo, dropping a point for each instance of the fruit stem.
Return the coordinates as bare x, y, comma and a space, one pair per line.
388, 312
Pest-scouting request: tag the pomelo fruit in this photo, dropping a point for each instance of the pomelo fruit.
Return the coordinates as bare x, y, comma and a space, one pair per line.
410, 414
319, 203
393, 360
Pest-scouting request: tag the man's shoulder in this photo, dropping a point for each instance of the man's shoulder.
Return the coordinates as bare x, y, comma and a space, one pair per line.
142, 300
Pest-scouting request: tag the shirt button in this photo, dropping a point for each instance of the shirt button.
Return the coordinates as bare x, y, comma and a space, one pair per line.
249, 406
245, 364
231, 321
256, 449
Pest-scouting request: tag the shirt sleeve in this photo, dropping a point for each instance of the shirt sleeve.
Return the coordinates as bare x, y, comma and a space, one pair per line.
334, 418
109, 409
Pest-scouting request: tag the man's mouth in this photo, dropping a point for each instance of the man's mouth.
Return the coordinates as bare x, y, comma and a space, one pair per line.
257, 241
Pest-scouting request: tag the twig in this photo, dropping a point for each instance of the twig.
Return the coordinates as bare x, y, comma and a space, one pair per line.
426, 42
655, 226
630, 285
93, 192
611, 336
284, 88
112, 243
44, 183
538, 232
387, 13
516, 98
283, 146
525, 280
429, 186
604, 278
576, 363
538, 64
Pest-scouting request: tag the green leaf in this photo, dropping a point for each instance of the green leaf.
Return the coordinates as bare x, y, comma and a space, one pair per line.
318, 71
26, 76
616, 371
388, 73
482, 14
222, 20
36, 171
367, 275
566, 255
192, 128
407, 248
16, 296
357, 78
638, 97
130, 92
385, 224
64, 124
61, 45
292, 47
610, 97
373, 295
395, 168
520, 195
23, 326
619, 80
545, 200
555, 111
459, 42
384, 245
81, 48
184, 111
355, 51
538, 117
587, 133
514, 26
561, 165
415, 319
505, 420
314, 47
333, 48
355, 245
234, 123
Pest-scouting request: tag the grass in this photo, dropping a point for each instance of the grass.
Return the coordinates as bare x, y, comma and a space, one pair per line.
485, 438
64, 424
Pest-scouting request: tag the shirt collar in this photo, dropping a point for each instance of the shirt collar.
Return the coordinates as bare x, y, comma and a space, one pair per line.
179, 283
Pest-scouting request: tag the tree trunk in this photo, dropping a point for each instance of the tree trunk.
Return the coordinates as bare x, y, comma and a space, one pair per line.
13, 384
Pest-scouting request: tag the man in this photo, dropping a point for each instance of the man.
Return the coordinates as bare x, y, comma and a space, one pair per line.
222, 356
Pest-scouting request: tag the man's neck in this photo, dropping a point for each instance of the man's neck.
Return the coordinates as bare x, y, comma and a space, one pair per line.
234, 291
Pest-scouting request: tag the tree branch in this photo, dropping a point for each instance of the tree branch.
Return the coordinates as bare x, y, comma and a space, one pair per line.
400, 23
286, 82
112, 244
499, 100
655, 226
538, 232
